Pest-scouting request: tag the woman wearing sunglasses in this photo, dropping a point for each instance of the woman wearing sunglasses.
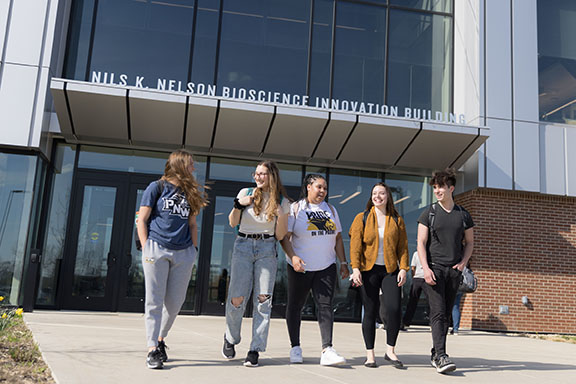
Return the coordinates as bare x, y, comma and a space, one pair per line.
260, 214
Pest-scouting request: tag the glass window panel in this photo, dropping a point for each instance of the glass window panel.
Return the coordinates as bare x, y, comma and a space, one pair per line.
17, 174
94, 237
205, 41
557, 60
53, 249
420, 61
232, 169
79, 34
427, 5
291, 174
116, 159
359, 53
264, 45
349, 190
411, 195
143, 38
321, 48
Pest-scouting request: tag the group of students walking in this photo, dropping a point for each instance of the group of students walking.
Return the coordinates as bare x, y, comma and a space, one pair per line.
310, 232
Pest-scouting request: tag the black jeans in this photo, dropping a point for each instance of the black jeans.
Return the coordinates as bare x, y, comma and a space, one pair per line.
322, 283
373, 280
441, 299
415, 291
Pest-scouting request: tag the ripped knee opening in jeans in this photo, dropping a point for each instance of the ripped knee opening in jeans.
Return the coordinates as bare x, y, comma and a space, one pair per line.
237, 301
262, 298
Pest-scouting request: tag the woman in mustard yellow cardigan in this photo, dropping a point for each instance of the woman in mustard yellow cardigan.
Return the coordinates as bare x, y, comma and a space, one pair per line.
379, 260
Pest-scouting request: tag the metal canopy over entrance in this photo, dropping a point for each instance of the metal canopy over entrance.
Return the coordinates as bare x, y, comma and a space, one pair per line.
128, 116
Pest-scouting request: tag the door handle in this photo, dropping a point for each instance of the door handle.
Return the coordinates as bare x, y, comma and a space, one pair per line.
111, 259
128, 262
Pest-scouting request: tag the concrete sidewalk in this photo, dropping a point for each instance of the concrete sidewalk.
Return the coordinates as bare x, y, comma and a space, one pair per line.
89, 347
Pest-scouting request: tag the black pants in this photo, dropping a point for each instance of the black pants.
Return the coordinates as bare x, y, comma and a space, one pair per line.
375, 279
441, 299
415, 291
322, 283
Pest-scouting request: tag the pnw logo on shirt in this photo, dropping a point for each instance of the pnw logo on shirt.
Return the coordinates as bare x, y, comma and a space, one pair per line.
176, 205
320, 223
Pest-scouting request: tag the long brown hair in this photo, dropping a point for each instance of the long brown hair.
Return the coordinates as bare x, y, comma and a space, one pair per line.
390, 208
177, 169
277, 191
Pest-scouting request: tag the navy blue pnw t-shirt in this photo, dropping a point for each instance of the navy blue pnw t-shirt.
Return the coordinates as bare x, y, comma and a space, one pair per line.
169, 217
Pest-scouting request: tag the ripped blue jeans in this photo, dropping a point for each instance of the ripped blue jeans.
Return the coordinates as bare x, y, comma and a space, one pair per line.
253, 270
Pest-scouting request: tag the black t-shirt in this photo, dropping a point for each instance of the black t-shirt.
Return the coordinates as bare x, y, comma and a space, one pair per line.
447, 247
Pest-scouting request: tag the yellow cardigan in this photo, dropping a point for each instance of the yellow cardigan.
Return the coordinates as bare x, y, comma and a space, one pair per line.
364, 243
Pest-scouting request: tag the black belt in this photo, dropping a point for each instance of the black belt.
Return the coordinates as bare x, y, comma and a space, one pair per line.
255, 235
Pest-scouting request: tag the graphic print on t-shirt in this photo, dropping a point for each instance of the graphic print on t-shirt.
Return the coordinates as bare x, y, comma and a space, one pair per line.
176, 205
320, 223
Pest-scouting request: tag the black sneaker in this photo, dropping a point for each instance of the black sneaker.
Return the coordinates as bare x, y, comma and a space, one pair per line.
251, 359
228, 350
433, 357
444, 364
154, 360
162, 349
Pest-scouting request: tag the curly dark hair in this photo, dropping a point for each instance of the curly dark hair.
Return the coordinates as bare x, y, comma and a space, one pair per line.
446, 177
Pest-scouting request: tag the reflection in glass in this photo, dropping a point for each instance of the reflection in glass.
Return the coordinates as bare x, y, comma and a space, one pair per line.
94, 237
116, 159
17, 174
290, 174
232, 169
79, 34
264, 45
321, 59
426, 5
136, 272
348, 192
222, 248
359, 49
420, 61
412, 195
205, 41
557, 60
53, 249
143, 38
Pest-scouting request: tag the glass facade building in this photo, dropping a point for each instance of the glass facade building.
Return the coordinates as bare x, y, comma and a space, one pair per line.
94, 95
379, 52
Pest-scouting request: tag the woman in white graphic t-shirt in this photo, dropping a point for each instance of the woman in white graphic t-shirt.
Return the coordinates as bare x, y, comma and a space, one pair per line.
312, 245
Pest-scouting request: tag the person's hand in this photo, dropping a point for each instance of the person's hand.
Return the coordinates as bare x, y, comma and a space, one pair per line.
401, 277
298, 264
246, 200
356, 277
429, 276
460, 266
344, 272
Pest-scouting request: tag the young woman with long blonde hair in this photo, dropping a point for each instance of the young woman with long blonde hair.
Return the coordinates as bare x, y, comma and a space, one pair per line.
169, 235
261, 214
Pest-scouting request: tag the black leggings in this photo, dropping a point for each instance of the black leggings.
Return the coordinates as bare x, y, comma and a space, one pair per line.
322, 283
373, 280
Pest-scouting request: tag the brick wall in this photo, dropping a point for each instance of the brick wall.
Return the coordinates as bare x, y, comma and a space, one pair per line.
525, 245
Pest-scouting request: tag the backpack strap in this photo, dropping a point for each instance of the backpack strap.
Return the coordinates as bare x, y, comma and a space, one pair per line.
248, 193
431, 217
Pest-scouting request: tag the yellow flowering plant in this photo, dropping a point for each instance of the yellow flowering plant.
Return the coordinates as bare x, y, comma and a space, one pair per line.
7, 314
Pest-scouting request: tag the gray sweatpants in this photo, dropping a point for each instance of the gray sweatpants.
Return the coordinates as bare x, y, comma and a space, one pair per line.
166, 274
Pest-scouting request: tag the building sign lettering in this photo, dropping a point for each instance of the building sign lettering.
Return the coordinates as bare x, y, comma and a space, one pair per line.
201, 89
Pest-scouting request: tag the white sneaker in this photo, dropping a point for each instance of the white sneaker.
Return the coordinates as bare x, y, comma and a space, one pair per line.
331, 357
296, 355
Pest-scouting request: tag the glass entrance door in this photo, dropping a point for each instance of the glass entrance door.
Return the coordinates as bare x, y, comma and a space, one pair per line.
103, 267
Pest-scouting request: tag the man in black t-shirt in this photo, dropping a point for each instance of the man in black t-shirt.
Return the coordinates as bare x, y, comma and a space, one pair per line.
445, 244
